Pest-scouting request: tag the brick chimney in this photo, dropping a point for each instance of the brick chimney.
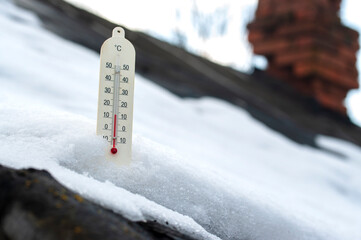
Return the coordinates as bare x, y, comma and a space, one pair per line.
307, 46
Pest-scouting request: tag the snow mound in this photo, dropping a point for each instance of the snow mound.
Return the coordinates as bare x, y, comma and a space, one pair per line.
47, 140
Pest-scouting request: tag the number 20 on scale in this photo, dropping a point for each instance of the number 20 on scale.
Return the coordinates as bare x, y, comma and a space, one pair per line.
116, 96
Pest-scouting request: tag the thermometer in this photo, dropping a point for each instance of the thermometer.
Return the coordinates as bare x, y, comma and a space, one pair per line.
116, 91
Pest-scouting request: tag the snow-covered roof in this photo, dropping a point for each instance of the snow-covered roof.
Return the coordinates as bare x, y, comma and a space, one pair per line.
203, 166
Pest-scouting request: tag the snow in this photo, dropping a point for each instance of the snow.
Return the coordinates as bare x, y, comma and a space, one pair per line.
202, 166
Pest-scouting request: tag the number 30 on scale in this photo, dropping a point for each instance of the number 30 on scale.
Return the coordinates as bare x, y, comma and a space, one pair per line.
116, 94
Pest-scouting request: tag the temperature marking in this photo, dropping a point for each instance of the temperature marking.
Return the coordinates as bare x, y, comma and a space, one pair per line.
115, 103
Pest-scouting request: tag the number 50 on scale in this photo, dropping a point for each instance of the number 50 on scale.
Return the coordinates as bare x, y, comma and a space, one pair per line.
116, 94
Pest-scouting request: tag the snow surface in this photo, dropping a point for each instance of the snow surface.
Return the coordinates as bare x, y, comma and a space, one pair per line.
203, 166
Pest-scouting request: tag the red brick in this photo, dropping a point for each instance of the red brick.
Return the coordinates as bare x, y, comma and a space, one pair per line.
336, 35
347, 53
319, 85
342, 79
280, 46
271, 46
331, 59
254, 36
329, 102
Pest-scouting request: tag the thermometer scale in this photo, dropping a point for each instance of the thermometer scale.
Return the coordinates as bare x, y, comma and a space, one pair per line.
116, 93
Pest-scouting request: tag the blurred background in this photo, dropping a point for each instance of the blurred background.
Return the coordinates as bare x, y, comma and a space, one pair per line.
216, 30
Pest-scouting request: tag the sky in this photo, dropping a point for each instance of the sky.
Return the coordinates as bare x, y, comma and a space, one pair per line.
168, 20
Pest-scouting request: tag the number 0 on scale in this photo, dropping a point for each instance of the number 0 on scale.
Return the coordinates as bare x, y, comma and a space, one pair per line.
116, 91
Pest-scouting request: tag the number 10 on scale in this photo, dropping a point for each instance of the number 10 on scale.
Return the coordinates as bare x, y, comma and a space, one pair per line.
116, 93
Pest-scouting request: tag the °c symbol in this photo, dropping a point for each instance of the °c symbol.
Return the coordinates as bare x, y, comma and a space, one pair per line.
118, 47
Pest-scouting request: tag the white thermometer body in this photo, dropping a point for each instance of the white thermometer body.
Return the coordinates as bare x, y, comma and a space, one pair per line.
116, 96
